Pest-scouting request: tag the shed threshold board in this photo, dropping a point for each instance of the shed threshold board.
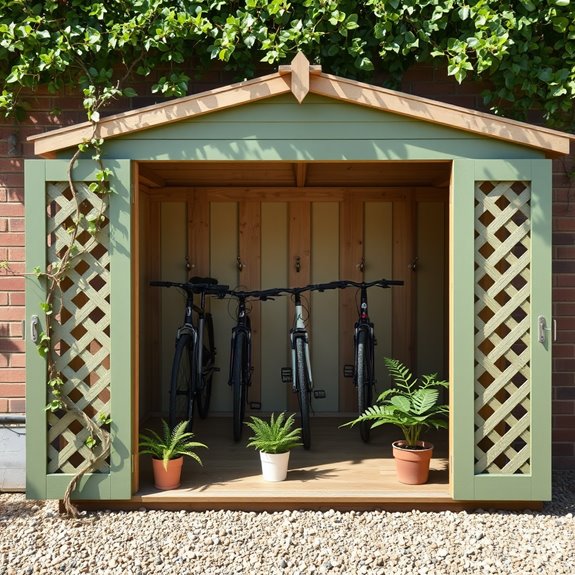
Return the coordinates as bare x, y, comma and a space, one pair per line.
339, 472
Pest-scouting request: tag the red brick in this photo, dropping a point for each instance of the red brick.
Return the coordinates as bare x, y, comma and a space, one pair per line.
17, 298
563, 379
565, 393
16, 224
564, 407
3, 405
562, 449
15, 268
561, 350
16, 254
12, 345
12, 210
15, 328
12, 389
12, 239
11, 283
564, 422
17, 405
8, 180
565, 364
561, 309
559, 435
565, 252
18, 360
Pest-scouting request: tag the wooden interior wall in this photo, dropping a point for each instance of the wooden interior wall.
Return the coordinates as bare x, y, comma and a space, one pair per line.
251, 239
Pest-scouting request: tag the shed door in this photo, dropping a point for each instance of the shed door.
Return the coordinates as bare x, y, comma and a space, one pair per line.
500, 349
91, 330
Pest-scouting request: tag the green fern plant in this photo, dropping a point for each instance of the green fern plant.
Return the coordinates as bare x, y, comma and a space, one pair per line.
170, 444
275, 436
410, 405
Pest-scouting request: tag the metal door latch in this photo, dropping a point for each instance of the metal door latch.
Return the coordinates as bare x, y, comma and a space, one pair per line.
542, 325
35, 328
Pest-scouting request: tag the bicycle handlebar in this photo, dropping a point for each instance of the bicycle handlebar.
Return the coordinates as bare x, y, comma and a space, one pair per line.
256, 294
207, 286
196, 287
342, 284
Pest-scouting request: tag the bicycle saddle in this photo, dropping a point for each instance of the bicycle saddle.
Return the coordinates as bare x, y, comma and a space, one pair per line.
200, 280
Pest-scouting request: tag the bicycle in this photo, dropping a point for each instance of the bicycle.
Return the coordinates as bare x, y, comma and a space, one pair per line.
193, 365
300, 375
363, 369
241, 355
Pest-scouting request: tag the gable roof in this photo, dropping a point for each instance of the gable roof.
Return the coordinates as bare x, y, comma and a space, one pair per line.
300, 79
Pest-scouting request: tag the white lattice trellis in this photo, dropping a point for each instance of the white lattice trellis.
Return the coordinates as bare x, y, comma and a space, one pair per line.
502, 327
81, 326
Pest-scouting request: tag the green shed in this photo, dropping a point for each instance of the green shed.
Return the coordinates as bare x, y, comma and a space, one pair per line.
292, 178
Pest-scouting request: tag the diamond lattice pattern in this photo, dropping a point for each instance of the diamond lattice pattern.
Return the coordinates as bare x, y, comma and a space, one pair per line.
81, 326
502, 332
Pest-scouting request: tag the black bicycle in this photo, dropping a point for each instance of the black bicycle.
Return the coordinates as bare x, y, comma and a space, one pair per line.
241, 355
363, 369
300, 374
193, 365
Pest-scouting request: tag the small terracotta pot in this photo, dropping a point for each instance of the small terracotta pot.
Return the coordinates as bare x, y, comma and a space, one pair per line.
412, 465
169, 479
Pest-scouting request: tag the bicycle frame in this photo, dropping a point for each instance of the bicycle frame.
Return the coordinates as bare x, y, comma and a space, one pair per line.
299, 331
363, 323
243, 325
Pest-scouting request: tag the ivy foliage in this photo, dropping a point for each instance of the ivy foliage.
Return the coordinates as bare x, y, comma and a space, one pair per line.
523, 49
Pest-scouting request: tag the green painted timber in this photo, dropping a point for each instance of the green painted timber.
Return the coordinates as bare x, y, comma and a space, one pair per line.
315, 150
318, 129
466, 484
117, 483
462, 345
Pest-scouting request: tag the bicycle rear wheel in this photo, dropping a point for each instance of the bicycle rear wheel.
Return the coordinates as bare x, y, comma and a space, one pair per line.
204, 393
364, 380
181, 397
239, 383
303, 391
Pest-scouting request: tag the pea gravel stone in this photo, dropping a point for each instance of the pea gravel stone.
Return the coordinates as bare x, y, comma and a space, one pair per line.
35, 539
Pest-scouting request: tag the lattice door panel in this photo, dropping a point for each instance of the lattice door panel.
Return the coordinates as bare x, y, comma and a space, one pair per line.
502, 327
81, 325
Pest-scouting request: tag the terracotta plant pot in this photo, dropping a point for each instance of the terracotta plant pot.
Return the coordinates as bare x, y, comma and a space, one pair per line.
412, 465
169, 479
274, 465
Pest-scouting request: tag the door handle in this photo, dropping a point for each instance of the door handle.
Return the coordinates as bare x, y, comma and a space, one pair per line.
542, 328
35, 328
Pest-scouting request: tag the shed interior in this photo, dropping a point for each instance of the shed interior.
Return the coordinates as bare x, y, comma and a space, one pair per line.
263, 224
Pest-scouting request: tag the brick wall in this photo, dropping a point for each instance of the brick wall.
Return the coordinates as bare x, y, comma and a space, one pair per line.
424, 81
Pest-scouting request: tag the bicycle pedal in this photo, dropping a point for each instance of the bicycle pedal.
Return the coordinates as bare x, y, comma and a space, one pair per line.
348, 370
319, 394
286, 374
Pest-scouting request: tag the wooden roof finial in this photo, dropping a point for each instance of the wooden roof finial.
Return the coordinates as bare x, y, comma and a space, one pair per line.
300, 71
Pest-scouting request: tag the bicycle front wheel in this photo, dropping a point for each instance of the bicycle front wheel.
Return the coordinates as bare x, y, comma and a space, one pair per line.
303, 391
204, 392
364, 380
181, 397
239, 383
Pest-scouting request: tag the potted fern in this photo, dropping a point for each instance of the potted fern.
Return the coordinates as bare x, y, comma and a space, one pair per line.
274, 440
168, 450
412, 405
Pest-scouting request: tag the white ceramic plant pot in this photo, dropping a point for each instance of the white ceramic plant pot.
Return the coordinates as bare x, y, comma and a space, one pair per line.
274, 465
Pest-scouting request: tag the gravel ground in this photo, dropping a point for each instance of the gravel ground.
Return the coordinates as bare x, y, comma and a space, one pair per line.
35, 539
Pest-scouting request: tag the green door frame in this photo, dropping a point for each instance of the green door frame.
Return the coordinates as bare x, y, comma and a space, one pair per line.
466, 484
117, 483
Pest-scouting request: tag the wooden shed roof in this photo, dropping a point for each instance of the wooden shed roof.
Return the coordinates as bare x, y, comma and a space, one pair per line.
301, 78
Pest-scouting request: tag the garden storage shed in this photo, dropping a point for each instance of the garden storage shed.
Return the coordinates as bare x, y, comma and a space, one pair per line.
295, 177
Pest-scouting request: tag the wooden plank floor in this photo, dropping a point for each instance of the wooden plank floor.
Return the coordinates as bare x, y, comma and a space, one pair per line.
339, 471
